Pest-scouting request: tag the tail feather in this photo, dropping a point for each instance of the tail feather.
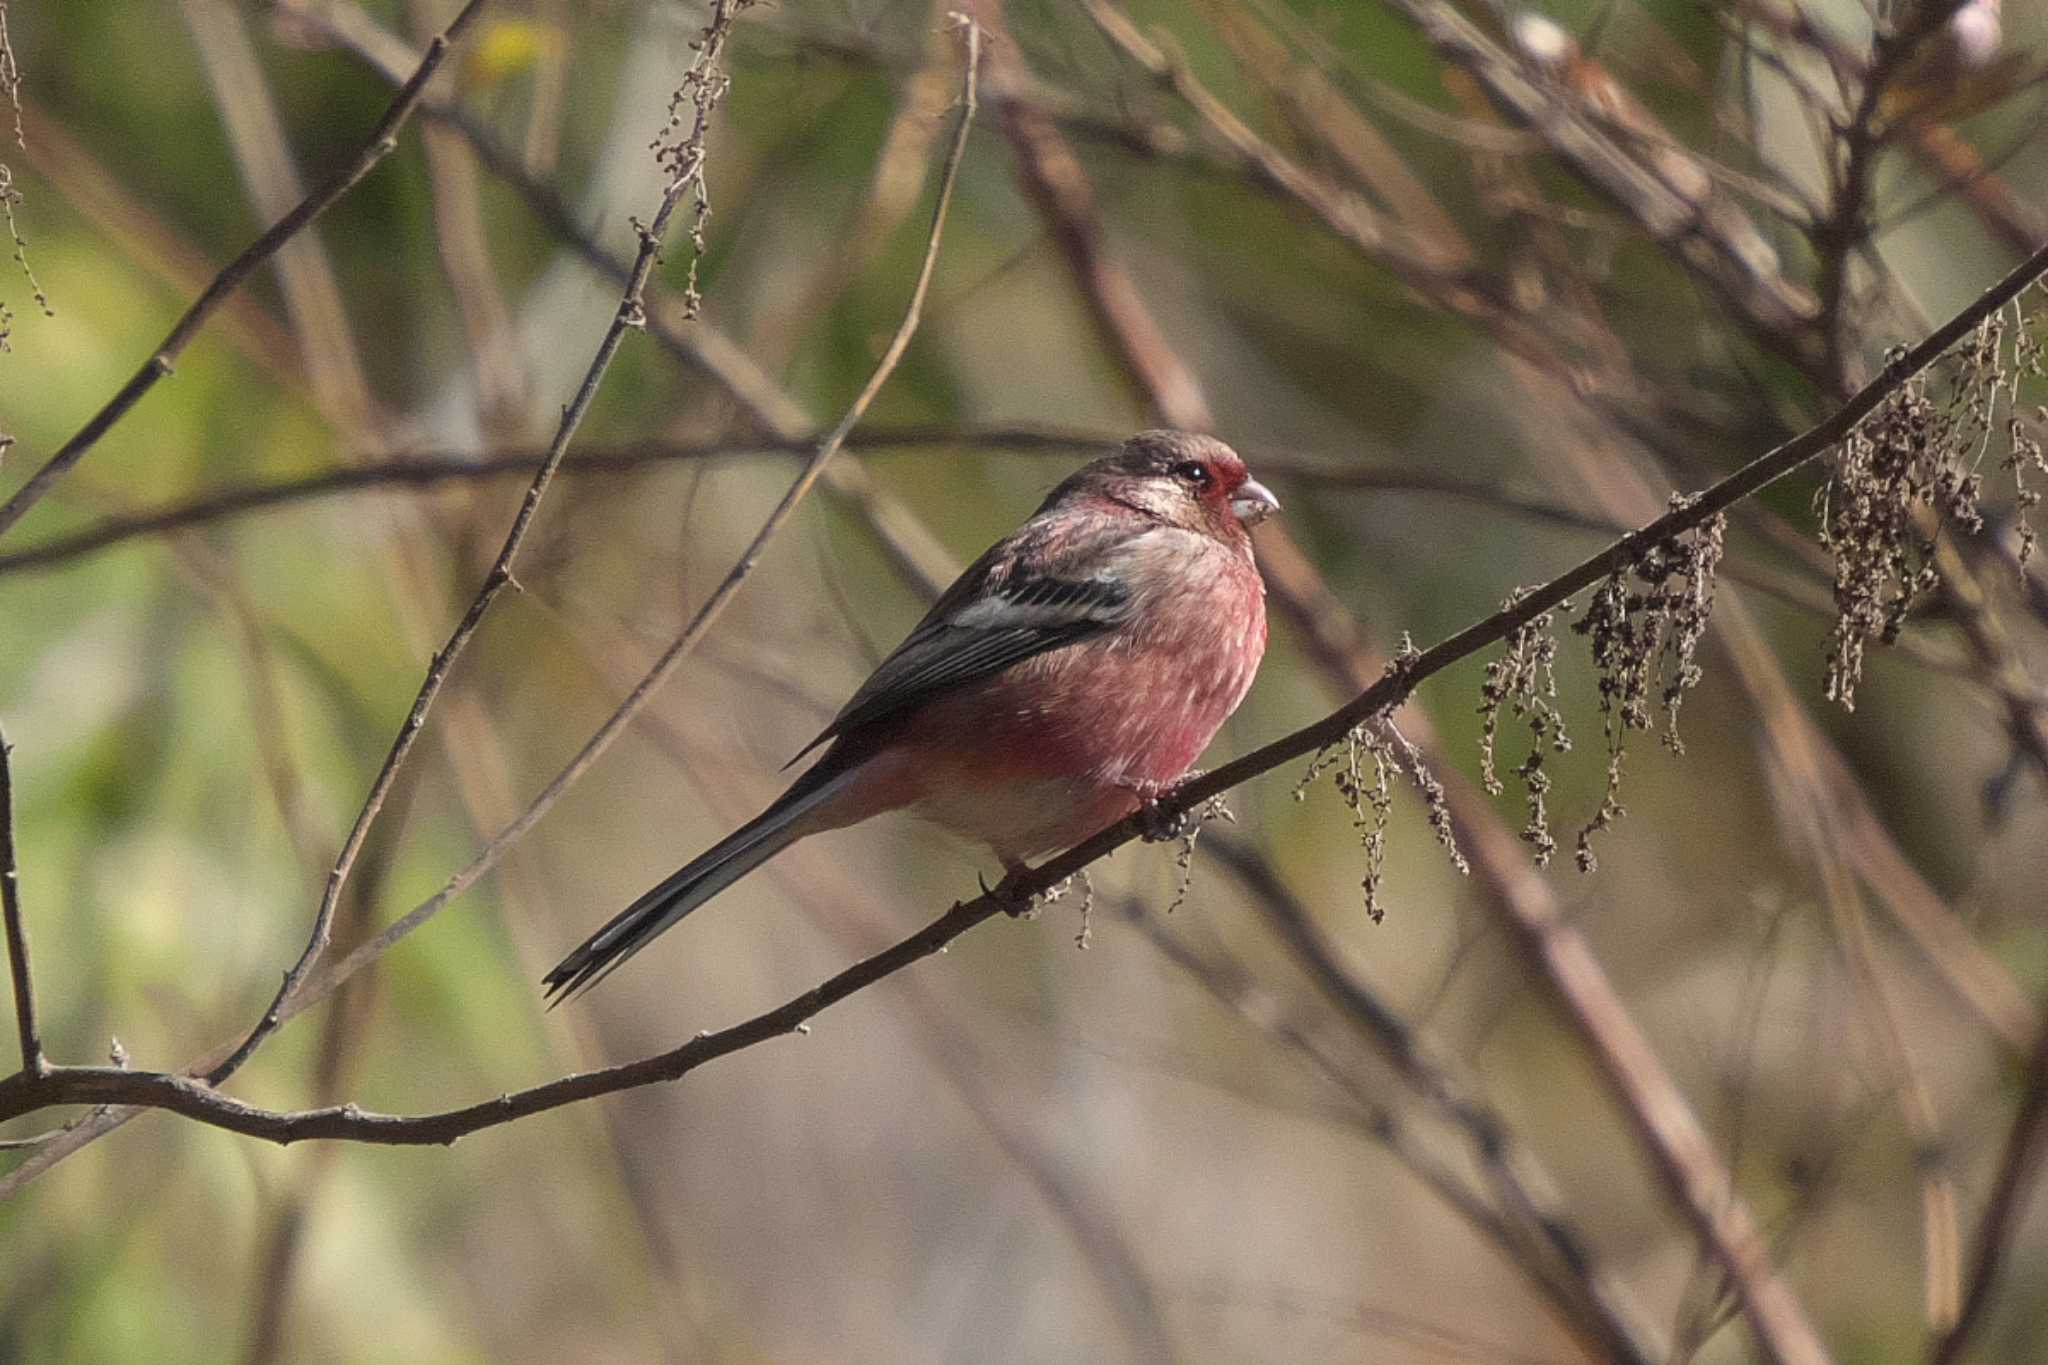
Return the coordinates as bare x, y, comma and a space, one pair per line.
696, 882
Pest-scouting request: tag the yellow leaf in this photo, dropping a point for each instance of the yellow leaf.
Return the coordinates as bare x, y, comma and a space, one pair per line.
504, 49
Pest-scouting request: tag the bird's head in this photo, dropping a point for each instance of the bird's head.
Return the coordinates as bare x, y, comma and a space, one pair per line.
1180, 478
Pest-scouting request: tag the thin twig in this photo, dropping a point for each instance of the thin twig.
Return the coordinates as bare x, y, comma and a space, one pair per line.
1862, 139
685, 169
428, 469
382, 141
32, 1062
1052, 178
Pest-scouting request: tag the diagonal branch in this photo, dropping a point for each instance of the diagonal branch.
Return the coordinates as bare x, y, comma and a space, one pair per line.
383, 140
684, 162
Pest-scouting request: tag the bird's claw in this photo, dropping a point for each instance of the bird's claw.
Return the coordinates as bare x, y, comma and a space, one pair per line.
1156, 824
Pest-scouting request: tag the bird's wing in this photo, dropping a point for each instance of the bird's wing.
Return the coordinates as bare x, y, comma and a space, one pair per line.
1046, 586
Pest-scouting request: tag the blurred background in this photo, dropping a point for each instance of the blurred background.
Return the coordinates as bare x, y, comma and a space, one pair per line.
1473, 287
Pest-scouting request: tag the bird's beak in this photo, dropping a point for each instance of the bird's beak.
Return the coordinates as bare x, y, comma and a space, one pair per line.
1253, 502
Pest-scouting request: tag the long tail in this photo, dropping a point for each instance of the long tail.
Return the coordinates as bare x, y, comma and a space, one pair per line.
703, 877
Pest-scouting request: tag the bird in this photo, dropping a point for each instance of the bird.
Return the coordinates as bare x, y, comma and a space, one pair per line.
1066, 680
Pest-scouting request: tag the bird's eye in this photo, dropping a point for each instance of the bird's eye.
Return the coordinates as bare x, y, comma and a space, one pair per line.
1192, 472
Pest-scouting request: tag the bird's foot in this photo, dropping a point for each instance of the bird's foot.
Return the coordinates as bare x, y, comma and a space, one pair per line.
1016, 902
1157, 825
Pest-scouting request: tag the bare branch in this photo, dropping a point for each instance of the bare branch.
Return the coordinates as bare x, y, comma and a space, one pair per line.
427, 469
194, 1099
1673, 199
2016, 1171
382, 141
32, 1062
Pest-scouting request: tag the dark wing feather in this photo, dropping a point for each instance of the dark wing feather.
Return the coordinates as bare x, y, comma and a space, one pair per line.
1011, 604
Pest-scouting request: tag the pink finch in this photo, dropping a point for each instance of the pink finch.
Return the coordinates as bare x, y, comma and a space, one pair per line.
1070, 676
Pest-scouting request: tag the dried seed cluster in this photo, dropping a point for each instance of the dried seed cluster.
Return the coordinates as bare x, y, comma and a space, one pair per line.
1371, 804
10, 197
1901, 459
2025, 457
679, 145
1644, 626
1371, 801
1084, 935
1365, 763
1523, 682
2023, 450
1434, 801
1917, 459
1214, 808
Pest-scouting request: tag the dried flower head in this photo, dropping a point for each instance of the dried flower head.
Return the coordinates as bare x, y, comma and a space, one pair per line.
1644, 624
1214, 808
1523, 681
1371, 797
678, 146
1435, 802
1916, 462
1371, 804
10, 197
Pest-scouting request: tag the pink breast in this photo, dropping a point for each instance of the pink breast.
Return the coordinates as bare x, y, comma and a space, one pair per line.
1047, 753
